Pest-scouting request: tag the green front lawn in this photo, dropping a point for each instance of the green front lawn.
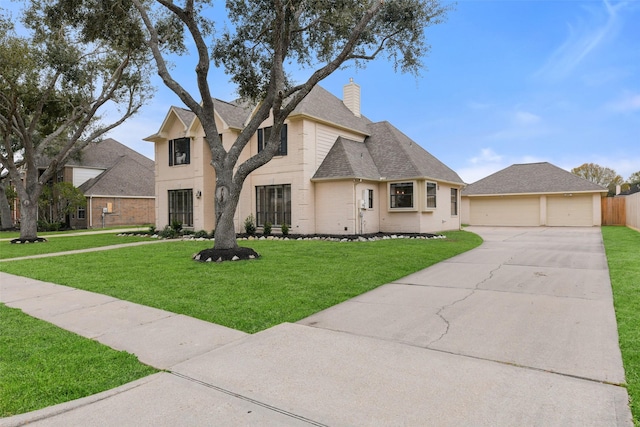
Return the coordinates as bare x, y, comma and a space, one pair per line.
63, 244
42, 365
622, 245
290, 281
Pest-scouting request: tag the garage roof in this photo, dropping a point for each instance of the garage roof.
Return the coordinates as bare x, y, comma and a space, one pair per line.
532, 178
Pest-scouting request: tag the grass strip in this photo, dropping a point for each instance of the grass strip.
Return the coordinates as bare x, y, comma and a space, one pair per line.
622, 246
115, 229
42, 365
290, 281
70, 243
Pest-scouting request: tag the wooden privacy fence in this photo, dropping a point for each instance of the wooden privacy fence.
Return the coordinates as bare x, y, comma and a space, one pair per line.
614, 211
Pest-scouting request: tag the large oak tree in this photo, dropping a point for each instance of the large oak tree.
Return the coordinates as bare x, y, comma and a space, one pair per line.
259, 43
75, 63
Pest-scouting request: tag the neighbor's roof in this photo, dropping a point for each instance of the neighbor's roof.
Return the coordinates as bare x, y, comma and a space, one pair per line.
126, 177
387, 154
101, 155
531, 178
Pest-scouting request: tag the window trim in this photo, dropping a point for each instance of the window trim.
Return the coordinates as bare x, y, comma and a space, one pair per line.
278, 217
185, 216
283, 149
433, 185
454, 202
172, 151
392, 200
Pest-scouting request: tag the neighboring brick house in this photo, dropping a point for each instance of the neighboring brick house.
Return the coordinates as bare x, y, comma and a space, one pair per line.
337, 172
118, 183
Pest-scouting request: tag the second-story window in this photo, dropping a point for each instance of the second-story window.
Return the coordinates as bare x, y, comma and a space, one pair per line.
263, 138
179, 151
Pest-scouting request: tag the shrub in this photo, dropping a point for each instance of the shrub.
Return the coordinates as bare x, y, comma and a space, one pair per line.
285, 229
176, 225
168, 233
201, 234
250, 225
267, 228
152, 229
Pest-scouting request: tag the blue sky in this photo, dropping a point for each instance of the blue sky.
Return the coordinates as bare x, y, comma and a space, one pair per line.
512, 81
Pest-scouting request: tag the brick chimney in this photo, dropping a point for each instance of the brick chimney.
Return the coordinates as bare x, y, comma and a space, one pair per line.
351, 97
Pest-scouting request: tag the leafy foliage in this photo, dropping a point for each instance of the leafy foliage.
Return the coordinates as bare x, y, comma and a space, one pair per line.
600, 175
79, 59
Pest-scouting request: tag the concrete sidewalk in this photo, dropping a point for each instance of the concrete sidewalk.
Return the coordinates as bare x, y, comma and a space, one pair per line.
520, 331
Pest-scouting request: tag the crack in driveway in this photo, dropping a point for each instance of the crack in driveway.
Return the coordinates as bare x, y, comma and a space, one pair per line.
440, 312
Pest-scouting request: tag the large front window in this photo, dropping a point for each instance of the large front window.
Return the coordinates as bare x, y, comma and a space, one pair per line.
263, 138
179, 151
181, 207
401, 195
273, 204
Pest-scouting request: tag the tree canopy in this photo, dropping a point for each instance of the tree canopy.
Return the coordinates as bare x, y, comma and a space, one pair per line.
600, 175
56, 82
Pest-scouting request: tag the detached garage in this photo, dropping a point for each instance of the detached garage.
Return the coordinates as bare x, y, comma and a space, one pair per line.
532, 194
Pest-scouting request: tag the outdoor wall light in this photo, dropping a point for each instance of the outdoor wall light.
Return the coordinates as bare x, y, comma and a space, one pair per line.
198, 194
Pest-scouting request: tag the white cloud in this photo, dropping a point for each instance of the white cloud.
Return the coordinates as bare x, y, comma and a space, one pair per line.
489, 162
524, 118
626, 103
583, 39
487, 155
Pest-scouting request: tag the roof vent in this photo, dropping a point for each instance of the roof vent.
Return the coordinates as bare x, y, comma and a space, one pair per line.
351, 97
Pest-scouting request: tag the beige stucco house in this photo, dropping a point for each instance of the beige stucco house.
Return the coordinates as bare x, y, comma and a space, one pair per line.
532, 194
337, 172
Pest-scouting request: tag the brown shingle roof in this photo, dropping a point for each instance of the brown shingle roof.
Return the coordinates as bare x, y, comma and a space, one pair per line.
325, 106
126, 177
348, 159
386, 154
102, 155
531, 178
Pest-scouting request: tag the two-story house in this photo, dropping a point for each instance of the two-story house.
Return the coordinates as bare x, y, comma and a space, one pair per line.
337, 172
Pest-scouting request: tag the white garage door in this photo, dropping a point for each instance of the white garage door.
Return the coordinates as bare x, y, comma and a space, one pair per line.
576, 210
507, 211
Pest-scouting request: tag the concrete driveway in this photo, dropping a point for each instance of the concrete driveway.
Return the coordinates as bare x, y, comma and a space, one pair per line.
518, 332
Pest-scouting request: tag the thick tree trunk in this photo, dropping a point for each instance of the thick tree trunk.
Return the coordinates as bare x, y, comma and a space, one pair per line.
28, 219
226, 204
6, 222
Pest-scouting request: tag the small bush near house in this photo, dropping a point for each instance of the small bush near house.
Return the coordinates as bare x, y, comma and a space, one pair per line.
267, 228
201, 234
168, 233
176, 225
285, 229
250, 225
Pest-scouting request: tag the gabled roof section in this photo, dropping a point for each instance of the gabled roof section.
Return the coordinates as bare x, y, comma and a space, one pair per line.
348, 159
185, 116
387, 154
323, 105
102, 155
234, 113
126, 177
531, 178
398, 157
